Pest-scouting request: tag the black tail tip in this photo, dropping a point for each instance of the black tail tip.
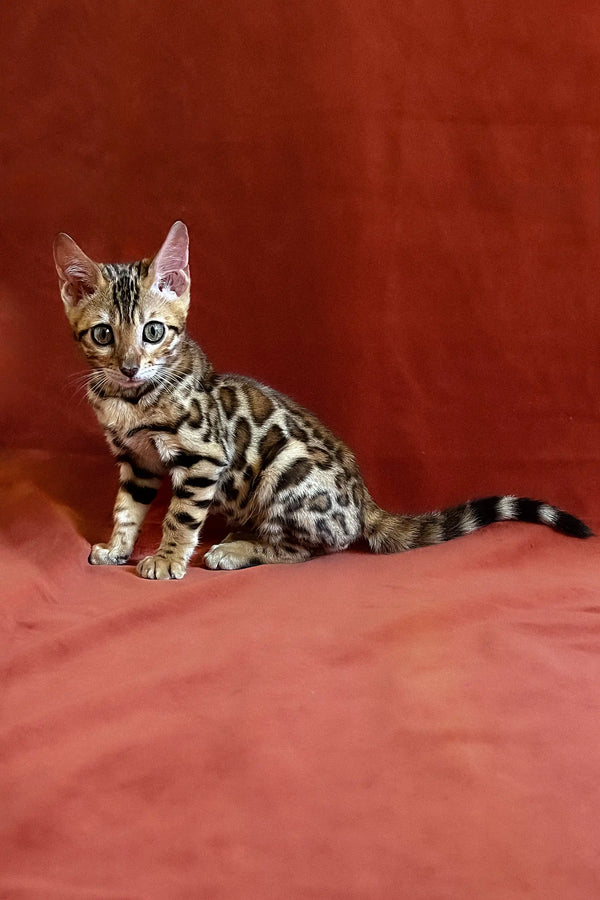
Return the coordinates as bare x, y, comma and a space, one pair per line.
574, 527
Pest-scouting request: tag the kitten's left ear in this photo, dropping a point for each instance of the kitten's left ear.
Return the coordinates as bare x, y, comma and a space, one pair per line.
169, 270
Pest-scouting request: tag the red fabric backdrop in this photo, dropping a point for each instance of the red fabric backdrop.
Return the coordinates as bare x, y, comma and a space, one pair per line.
393, 211
394, 215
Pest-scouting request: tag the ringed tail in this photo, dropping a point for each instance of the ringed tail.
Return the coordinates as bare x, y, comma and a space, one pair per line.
387, 532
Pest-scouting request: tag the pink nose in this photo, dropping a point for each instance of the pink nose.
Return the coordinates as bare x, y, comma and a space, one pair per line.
130, 371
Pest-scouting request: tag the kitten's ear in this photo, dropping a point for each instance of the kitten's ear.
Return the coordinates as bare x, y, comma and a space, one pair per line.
78, 275
169, 270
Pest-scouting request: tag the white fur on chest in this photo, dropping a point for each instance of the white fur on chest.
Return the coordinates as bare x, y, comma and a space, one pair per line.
119, 418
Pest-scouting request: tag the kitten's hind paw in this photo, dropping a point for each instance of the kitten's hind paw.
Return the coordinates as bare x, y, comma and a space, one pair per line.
103, 555
160, 568
232, 555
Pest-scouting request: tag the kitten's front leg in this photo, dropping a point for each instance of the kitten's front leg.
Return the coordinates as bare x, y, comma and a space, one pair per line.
136, 492
193, 490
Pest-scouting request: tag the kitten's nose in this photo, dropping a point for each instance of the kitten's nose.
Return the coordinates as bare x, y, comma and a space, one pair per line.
130, 371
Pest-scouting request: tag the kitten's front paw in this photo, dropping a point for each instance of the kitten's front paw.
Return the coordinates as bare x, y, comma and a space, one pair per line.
160, 568
103, 555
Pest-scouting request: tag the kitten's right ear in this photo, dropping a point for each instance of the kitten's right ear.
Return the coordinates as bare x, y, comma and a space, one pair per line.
169, 271
78, 275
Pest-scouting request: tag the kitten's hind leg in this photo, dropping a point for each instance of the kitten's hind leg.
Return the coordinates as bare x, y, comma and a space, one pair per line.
240, 554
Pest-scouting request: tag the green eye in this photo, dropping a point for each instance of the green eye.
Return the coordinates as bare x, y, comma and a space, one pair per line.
153, 332
102, 335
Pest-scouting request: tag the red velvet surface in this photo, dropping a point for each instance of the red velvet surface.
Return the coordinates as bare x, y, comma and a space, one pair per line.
393, 210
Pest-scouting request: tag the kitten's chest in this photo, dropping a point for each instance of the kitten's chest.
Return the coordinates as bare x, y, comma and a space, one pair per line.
129, 430
150, 434
119, 417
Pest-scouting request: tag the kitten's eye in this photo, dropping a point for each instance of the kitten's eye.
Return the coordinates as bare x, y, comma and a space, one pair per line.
102, 334
153, 332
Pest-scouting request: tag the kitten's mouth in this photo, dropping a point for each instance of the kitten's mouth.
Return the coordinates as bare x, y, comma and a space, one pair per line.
123, 381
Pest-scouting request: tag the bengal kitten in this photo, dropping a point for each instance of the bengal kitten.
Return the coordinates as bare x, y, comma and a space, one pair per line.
227, 442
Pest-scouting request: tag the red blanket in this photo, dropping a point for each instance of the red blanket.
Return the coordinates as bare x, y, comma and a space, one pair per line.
422, 725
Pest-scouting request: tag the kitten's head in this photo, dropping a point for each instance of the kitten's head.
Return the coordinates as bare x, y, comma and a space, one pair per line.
128, 318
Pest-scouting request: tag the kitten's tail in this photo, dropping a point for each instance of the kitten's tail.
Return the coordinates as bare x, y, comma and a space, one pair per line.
390, 533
